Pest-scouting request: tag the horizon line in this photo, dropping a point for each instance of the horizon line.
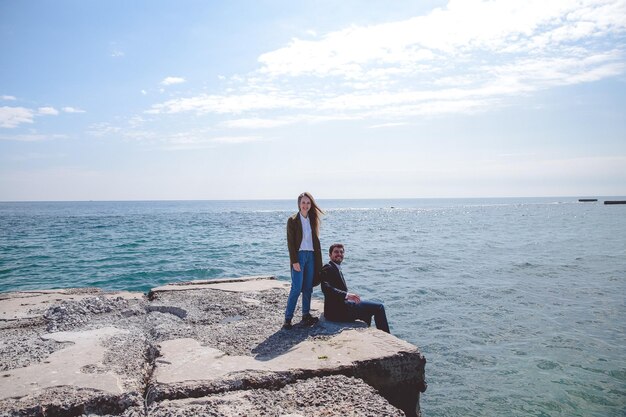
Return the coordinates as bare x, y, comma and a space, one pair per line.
318, 199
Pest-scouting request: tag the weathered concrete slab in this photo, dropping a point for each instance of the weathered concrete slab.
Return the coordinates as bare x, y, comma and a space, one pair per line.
217, 344
66, 366
245, 284
329, 396
256, 285
230, 343
31, 304
185, 360
99, 362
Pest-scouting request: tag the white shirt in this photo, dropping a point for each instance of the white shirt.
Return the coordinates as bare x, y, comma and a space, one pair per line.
307, 234
337, 265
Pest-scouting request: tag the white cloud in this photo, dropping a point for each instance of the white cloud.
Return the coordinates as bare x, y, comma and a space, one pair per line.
133, 129
115, 51
48, 111
72, 110
9, 98
33, 137
196, 138
267, 123
32, 156
232, 140
466, 57
136, 121
378, 126
11, 117
193, 140
172, 80
254, 123
464, 26
229, 103
103, 129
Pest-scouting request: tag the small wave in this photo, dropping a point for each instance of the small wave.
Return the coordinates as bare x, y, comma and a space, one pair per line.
524, 265
130, 245
102, 226
547, 365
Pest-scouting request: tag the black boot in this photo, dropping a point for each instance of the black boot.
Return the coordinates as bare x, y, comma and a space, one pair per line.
309, 320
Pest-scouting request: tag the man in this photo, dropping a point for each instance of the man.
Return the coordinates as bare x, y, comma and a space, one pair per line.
341, 305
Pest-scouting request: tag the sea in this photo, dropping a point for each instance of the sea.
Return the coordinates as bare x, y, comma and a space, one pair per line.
518, 304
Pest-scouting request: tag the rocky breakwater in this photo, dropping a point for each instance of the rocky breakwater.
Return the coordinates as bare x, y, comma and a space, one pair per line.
201, 348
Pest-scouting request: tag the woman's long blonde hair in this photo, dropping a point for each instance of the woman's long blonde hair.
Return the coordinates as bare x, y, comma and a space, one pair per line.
315, 214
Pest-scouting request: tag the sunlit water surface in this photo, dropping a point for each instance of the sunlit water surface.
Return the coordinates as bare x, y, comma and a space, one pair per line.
517, 304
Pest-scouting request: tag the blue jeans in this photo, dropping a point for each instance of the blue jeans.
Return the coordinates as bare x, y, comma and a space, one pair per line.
365, 310
301, 282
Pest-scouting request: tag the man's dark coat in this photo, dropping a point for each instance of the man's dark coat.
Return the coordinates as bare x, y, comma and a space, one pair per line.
335, 290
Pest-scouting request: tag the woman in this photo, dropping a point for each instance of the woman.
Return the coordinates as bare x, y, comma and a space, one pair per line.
305, 255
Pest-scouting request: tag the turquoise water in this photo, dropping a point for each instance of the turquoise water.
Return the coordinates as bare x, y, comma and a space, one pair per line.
518, 304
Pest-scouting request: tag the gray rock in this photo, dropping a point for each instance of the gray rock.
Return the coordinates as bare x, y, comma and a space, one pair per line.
211, 348
331, 396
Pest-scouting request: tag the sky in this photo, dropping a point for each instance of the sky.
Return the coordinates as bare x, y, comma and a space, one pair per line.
264, 99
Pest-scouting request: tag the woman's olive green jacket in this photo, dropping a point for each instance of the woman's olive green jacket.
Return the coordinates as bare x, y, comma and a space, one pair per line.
294, 239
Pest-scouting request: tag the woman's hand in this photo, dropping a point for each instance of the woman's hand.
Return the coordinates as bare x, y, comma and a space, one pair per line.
296, 267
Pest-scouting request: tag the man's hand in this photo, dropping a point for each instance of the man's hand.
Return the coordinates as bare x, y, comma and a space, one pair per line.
353, 297
296, 267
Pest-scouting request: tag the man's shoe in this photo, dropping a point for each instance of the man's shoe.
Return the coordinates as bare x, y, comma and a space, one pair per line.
309, 320
287, 325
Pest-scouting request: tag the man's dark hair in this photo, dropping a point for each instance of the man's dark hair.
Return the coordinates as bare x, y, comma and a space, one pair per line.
333, 246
